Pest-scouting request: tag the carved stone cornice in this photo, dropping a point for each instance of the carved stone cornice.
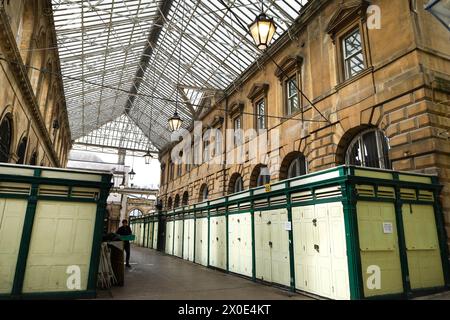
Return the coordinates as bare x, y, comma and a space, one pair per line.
346, 13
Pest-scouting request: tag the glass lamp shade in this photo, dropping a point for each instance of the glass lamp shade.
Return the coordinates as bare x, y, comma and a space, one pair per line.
132, 174
148, 157
441, 10
175, 122
262, 31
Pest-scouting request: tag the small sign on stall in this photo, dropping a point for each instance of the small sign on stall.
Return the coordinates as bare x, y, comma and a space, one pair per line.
288, 226
387, 227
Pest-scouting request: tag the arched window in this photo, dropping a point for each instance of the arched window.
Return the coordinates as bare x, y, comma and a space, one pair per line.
21, 150
293, 165
260, 176
169, 203
33, 159
136, 213
263, 177
177, 201
369, 149
185, 200
297, 167
5, 139
236, 183
204, 193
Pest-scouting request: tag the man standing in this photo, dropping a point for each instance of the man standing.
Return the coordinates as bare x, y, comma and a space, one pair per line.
125, 230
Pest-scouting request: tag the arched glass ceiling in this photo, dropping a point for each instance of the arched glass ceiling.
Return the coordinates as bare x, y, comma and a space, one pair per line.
122, 57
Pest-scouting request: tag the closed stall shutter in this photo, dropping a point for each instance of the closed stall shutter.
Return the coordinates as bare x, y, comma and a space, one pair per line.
272, 247
320, 250
201, 248
379, 247
217, 255
178, 238
263, 259
12, 214
240, 239
155, 236
169, 237
246, 249
191, 239
233, 248
186, 237
422, 246
62, 236
150, 235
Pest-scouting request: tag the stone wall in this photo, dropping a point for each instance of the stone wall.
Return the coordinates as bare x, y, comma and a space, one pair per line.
31, 90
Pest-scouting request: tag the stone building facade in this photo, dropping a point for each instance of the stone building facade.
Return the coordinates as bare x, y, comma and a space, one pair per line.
376, 79
34, 128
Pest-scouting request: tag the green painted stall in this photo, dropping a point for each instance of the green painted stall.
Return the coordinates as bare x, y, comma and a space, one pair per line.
51, 223
342, 233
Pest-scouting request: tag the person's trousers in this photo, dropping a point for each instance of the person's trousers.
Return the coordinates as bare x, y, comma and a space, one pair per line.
126, 247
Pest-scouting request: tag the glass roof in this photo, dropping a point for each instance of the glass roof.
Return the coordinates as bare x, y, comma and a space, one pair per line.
123, 57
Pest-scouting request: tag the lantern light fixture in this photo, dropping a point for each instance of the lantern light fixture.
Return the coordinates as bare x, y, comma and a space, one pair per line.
132, 174
148, 157
262, 30
175, 122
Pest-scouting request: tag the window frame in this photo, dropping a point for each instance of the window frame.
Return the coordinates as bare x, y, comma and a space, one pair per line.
358, 139
298, 160
239, 181
288, 107
260, 117
339, 41
347, 72
264, 181
235, 119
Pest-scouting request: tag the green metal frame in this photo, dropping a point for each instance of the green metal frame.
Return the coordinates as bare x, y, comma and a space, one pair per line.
33, 198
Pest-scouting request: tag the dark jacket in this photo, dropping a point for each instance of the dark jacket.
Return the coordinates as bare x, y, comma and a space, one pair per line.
124, 231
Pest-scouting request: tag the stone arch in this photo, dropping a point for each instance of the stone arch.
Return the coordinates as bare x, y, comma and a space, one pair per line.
368, 147
345, 140
203, 194
185, 199
135, 212
235, 178
257, 172
169, 203
288, 160
34, 158
22, 149
176, 203
6, 136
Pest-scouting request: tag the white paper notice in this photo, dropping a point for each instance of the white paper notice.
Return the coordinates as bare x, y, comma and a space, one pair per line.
288, 226
387, 227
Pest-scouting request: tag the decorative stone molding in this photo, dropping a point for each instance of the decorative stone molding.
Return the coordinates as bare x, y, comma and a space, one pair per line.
257, 90
345, 14
236, 109
287, 65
